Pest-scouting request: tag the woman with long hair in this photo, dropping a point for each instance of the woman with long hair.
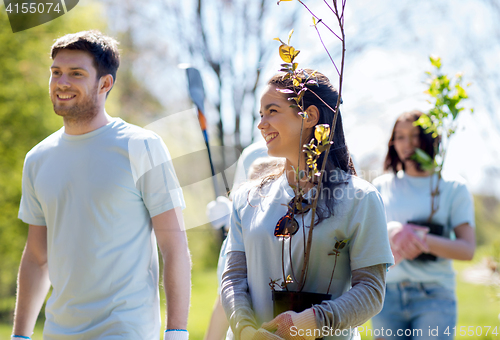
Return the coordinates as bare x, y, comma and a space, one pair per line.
420, 297
350, 212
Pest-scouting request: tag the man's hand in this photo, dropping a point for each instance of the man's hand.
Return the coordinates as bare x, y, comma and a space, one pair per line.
408, 241
250, 333
291, 325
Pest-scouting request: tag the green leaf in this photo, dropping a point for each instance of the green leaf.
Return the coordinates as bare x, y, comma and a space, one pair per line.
290, 36
461, 93
301, 93
425, 161
288, 53
302, 174
285, 90
435, 61
312, 82
322, 148
322, 132
424, 121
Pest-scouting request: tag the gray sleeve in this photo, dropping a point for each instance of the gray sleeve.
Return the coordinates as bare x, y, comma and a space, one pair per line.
234, 293
356, 306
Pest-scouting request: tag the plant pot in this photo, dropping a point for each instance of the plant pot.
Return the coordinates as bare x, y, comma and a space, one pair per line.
434, 229
296, 301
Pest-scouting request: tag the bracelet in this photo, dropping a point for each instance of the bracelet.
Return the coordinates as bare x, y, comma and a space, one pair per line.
14, 336
176, 334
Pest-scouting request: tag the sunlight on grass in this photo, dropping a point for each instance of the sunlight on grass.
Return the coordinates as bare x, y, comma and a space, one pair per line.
202, 300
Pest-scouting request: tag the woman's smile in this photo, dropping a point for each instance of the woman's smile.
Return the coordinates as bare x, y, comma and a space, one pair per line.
270, 137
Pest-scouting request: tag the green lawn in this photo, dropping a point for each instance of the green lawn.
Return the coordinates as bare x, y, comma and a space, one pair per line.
477, 307
202, 300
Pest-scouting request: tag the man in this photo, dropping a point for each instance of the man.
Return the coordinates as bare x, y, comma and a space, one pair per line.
93, 193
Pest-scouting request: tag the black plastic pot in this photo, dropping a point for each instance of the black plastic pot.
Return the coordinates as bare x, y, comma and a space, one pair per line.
434, 229
296, 301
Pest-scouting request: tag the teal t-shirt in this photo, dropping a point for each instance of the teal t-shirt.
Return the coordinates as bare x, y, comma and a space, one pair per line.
359, 220
407, 198
96, 193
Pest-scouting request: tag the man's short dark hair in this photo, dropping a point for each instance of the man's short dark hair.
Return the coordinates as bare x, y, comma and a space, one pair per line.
103, 49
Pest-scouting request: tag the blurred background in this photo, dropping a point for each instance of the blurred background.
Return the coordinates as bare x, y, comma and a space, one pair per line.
231, 43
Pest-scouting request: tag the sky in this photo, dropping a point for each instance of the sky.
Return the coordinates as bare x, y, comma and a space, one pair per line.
386, 77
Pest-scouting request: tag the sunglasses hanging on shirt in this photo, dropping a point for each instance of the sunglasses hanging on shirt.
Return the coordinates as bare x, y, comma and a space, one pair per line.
288, 225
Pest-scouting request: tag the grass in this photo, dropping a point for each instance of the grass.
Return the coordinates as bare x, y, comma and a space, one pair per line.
202, 301
476, 306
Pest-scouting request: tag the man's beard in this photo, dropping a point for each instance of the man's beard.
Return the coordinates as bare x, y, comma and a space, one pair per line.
80, 113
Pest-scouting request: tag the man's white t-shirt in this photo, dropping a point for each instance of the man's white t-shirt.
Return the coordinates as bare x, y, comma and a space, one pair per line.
96, 193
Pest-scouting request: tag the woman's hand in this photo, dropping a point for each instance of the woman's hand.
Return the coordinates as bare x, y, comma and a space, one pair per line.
408, 241
291, 325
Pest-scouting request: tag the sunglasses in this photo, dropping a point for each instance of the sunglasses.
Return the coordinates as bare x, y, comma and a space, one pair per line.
288, 225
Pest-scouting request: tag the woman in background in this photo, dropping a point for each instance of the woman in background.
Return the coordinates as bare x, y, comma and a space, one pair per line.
420, 295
